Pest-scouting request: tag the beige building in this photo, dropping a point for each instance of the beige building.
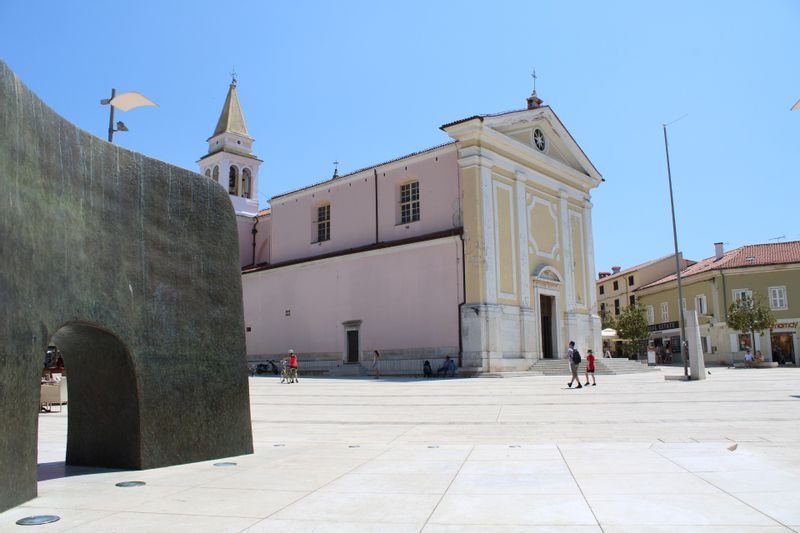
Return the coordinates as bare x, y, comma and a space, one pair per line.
616, 290
770, 272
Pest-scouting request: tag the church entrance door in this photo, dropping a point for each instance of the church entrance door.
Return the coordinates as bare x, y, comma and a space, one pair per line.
352, 346
546, 312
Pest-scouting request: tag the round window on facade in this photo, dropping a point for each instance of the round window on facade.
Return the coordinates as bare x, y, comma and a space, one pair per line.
539, 141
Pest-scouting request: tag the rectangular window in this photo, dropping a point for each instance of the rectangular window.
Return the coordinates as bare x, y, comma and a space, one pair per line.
324, 223
777, 298
616, 285
616, 306
745, 342
409, 202
630, 281
704, 341
675, 344
664, 312
700, 304
603, 308
632, 299
602, 289
651, 316
739, 294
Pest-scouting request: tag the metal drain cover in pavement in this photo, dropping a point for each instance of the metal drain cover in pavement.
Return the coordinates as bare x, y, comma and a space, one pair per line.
38, 520
130, 484
225, 465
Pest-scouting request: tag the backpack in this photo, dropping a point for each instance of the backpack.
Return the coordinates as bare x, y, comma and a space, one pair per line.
576, 356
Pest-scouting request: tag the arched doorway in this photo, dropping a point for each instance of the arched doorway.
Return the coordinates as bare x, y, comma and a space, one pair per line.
103, 409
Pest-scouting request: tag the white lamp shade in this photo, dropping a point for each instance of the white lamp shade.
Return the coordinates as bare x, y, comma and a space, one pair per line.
128, 101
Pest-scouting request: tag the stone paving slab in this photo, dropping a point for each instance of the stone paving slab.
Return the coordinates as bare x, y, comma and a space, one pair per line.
634, 454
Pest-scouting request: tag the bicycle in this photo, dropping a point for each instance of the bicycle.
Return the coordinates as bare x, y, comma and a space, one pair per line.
286, 373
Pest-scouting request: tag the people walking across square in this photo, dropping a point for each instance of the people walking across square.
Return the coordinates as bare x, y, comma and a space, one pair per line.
376, 358
574, 358
590, 367
293, 366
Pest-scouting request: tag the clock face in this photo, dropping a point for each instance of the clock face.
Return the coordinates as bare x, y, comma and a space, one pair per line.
538, 139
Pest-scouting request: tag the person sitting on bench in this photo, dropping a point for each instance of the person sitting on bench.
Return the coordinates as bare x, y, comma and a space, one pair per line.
444, 368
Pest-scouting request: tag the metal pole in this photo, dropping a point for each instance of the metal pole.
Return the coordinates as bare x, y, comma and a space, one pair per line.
677, 263
111, 117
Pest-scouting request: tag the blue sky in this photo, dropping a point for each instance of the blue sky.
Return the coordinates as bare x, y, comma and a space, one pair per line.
363, 82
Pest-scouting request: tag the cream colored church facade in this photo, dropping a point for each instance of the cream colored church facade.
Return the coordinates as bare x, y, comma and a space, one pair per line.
480, 249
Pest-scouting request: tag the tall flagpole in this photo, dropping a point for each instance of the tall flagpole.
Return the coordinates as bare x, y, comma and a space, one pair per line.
684, 345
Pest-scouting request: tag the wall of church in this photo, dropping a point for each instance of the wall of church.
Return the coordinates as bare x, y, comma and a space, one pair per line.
527, 246
406, 299
353, 205
245, 228
473, 239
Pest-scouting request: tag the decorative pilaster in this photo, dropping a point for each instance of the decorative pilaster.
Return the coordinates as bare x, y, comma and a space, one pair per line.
522, 241
487, 219
566, 249
590, 268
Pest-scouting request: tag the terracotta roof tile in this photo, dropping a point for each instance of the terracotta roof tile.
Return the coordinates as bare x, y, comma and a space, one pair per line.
750, 255
637, 267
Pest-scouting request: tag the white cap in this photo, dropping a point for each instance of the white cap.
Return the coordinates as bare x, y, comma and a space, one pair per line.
291, 351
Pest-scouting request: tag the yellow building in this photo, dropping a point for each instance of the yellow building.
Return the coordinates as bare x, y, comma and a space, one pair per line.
770, 272
616, 290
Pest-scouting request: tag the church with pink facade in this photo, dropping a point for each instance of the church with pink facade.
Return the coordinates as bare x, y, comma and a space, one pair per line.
479, 249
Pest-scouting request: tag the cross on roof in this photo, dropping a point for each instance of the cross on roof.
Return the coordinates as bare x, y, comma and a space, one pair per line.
233, 76
533, 75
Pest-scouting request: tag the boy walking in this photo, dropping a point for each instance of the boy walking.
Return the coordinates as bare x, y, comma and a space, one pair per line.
574, 358
590, 368
293, 367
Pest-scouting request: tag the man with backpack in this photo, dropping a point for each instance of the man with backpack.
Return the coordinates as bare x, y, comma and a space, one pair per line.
574, 357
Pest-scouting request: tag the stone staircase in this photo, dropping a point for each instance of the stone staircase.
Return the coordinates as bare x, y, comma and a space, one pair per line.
559, 367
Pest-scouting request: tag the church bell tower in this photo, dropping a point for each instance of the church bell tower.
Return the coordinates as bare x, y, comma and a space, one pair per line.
230, 160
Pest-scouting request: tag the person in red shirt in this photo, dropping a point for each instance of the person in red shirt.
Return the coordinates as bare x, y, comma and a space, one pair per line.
293, 365
590, 367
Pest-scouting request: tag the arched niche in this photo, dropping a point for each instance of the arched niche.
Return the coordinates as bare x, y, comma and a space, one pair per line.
103, 411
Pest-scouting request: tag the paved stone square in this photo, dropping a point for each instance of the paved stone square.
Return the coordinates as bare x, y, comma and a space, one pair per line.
635, 453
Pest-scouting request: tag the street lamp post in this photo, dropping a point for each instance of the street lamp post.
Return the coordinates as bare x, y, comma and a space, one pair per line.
684, 344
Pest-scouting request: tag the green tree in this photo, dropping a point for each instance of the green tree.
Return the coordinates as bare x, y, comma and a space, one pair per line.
607, 320
750, 316
632, 328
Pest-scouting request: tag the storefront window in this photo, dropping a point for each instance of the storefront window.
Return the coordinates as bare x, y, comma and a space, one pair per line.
675, 344
745, 342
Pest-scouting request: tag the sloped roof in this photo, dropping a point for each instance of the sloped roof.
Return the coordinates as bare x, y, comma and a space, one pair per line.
750, 255
264, 212
231, 118
337, 178
444, 127
638, 267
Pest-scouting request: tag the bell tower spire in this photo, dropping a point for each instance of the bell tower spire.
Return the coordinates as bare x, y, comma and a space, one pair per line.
230, 160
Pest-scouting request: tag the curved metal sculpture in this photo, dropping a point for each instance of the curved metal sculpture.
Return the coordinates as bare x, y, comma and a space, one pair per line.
131, 267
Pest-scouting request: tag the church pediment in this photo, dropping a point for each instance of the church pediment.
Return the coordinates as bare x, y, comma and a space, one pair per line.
534, 135
540, 130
